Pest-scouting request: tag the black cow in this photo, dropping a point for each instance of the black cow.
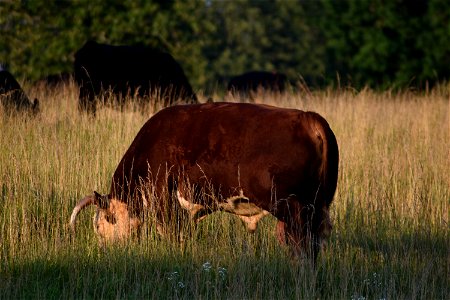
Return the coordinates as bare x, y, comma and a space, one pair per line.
13, 97
246, 159
57, 79
252, 81
129, 71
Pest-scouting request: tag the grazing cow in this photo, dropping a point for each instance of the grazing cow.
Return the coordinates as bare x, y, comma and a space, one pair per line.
246, 159
13, 97
129, 71
251, 81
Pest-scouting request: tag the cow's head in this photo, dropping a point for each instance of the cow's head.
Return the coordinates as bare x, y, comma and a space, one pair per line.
112, 220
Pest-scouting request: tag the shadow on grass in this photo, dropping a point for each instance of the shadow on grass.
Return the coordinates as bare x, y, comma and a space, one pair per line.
386, 264
131, 274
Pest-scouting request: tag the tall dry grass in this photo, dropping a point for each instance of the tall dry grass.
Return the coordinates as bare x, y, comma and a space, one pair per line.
391, 211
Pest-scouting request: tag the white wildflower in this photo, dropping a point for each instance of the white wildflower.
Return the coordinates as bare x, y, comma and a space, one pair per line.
207, 266
222, 272
172, 276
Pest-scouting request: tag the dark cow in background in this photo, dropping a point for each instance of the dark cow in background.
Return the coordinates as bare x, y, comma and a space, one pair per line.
246, 159
13, 97
57, 79
129, 71
250, 82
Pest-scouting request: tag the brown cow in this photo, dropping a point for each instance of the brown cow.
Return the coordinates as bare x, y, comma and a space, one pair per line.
246, 159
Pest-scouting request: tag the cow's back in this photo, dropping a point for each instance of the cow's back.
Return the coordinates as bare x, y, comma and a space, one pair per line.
259, 149
12, 96
129, 69
251, 81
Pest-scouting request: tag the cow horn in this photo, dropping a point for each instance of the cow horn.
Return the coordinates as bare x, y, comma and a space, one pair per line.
86, 201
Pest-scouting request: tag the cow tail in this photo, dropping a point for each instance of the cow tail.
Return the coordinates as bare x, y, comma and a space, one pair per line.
330, 163
330, 166
328, 177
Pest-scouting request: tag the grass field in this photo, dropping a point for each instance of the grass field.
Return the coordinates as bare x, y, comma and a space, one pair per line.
391, 211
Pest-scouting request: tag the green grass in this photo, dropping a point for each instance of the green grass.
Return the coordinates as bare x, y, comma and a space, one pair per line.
390, 238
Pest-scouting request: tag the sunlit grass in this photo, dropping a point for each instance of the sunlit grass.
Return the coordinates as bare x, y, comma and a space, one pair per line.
390, 238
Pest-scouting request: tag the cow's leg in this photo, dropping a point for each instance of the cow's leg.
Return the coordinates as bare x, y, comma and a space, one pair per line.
280, 232
87, 100
295, 228
325, 226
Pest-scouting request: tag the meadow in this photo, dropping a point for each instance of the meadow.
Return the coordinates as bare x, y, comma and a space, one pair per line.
390, 238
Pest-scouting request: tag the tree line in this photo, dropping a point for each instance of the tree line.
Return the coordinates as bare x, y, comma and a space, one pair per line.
377, 43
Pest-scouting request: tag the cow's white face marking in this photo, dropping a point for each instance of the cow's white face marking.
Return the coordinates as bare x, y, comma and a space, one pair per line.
115, 223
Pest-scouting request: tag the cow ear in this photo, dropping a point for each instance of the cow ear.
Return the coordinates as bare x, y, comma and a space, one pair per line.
101, 201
